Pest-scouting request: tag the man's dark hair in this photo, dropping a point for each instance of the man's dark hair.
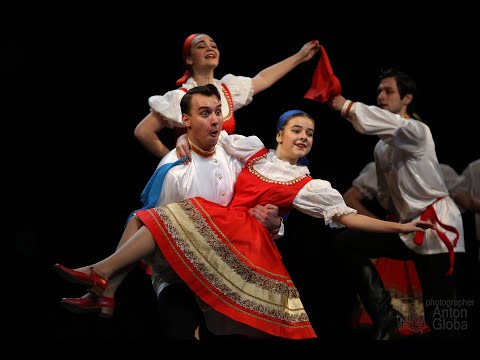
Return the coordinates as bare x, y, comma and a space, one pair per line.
207, 90
405, 84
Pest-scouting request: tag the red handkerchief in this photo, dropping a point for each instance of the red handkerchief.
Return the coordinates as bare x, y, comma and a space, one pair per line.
324, 83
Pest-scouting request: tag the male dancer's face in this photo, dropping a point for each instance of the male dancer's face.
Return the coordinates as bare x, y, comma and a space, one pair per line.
205, 121
388, 97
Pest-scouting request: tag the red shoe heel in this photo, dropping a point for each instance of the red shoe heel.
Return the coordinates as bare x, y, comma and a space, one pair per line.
92, 280
107, 312
105, 306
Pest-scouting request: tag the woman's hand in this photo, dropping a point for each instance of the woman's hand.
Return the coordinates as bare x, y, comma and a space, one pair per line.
183, 148
308, 50
417, 225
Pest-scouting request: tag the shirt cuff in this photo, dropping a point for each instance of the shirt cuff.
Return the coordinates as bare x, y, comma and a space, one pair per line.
277, 234
347, 108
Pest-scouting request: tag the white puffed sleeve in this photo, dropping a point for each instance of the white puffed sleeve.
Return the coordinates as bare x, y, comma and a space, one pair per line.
318, 199
168, 106
239, 146
241, 89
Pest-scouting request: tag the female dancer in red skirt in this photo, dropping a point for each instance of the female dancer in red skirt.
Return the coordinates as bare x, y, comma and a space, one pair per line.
224, 254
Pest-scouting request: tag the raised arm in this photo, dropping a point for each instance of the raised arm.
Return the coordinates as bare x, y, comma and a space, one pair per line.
267, 77
409, 135
147, 133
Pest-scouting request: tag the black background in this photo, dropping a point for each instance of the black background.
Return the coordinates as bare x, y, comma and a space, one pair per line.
80, 84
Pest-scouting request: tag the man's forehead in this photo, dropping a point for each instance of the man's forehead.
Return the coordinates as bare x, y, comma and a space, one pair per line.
388, 83
205, 101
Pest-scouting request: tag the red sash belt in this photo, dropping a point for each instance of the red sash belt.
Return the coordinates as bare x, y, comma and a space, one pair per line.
429, 214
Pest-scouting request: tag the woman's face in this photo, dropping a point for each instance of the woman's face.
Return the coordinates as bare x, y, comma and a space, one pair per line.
296, 139
203, 52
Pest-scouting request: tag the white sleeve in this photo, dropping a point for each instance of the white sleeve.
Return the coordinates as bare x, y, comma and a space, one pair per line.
318, 199
470, 178
169, 158
366, 181
241, 89
409, 135
168, 106
170, 191
239, 146
169, 182
451, 178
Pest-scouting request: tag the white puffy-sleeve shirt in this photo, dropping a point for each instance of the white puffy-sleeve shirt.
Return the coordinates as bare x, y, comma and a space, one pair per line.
471, 183
213, 178
168, 105
409, 175
317, 198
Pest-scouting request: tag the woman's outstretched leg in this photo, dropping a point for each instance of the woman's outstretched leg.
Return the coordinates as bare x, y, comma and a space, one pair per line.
140, 245
104, 304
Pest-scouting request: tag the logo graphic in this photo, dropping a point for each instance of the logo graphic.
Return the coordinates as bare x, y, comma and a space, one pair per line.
413, 320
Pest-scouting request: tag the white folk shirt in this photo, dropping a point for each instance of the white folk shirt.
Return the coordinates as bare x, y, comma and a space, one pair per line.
409, 175
366, 182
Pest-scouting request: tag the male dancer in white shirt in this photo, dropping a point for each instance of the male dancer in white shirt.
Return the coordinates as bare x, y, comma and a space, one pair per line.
410, 186
210, 173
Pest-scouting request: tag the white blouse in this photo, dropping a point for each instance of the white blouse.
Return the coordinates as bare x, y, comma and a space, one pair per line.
168, 105
317, 198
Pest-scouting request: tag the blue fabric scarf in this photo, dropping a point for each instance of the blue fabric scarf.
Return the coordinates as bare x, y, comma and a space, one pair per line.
151, 192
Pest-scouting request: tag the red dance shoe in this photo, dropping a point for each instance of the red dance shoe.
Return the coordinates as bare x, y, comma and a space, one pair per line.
96, 283
90, 303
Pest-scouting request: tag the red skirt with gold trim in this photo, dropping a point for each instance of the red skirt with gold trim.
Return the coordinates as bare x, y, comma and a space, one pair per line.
231, 263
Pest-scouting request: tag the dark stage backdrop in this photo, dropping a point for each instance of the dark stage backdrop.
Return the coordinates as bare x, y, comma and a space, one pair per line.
81, 86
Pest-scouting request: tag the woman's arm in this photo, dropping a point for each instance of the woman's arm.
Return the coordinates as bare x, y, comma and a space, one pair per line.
146, 132
183, 148
365, 223
267, 77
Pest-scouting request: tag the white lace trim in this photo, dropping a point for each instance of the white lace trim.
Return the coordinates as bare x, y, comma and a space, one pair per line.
336, 210
299, 169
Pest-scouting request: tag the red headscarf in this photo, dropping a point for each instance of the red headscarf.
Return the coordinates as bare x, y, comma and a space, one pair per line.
324, 83
185, 52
